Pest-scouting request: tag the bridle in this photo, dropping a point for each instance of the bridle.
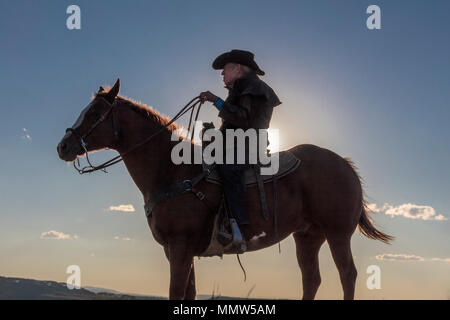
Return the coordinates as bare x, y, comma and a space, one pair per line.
81, 137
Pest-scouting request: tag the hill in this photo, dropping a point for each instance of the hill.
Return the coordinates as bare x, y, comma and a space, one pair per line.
29, 289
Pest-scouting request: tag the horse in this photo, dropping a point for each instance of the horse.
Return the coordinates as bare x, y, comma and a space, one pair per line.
324, 194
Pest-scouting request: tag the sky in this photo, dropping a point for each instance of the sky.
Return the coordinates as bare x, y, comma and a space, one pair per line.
379, 97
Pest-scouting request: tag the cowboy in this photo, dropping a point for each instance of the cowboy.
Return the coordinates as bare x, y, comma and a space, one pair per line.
249, 105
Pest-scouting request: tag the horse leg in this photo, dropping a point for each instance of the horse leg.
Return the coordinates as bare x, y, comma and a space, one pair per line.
342, 256
308, 247
181, 264
191, 293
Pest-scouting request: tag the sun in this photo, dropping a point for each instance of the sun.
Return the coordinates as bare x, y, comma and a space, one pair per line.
274, 140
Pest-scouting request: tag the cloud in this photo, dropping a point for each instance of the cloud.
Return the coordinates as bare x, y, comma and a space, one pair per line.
407, 258
398, 257
56, 235
408, 210
26, 135
441, 259
122, 207
124, 238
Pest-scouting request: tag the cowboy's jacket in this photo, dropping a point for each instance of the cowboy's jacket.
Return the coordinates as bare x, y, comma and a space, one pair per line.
249, 104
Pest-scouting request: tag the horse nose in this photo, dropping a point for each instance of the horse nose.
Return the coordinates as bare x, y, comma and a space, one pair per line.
62, 146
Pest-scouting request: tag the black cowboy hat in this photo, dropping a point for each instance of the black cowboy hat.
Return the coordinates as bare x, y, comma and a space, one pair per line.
237, 56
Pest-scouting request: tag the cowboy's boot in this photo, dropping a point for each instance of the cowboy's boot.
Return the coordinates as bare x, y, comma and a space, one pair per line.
224, 238
238, 239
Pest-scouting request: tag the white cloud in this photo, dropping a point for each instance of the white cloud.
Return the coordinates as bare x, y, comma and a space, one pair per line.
56, 235
26, 135
122, 207
408, 210
398, 257
373, 207
124, 238
441, 259
407, 257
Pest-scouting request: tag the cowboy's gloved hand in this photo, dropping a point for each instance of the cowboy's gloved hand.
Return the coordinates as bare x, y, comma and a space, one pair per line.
207, 96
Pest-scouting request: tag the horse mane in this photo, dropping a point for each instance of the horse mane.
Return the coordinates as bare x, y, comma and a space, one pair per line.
146, 111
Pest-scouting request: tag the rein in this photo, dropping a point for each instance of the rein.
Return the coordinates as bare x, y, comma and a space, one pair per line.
91, 168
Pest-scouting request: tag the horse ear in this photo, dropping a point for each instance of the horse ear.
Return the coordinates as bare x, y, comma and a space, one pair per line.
101, 89
114, 91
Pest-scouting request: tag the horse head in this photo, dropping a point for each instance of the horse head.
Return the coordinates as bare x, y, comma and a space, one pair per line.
94, 129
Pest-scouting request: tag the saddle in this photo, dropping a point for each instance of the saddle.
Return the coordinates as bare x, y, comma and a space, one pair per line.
287, 163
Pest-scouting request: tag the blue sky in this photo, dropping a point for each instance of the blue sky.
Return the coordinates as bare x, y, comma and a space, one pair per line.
379, 97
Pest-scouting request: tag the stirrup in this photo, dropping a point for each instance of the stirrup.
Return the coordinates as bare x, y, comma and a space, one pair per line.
224, 238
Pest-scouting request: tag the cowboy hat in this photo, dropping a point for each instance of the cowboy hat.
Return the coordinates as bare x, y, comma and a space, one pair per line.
243, 57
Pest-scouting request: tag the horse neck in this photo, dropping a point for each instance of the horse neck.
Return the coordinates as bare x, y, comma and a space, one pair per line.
150, 165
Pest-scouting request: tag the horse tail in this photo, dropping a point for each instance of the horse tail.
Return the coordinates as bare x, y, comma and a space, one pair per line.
367, 228
365, 224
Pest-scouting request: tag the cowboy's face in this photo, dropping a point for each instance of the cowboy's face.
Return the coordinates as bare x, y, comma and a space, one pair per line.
231, 71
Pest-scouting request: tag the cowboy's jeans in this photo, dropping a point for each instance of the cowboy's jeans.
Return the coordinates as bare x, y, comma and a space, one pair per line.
233, 183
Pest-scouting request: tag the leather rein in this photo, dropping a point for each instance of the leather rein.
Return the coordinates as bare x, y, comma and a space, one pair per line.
81, 138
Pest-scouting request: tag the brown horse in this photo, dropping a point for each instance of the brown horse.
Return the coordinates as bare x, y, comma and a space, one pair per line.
324, 193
